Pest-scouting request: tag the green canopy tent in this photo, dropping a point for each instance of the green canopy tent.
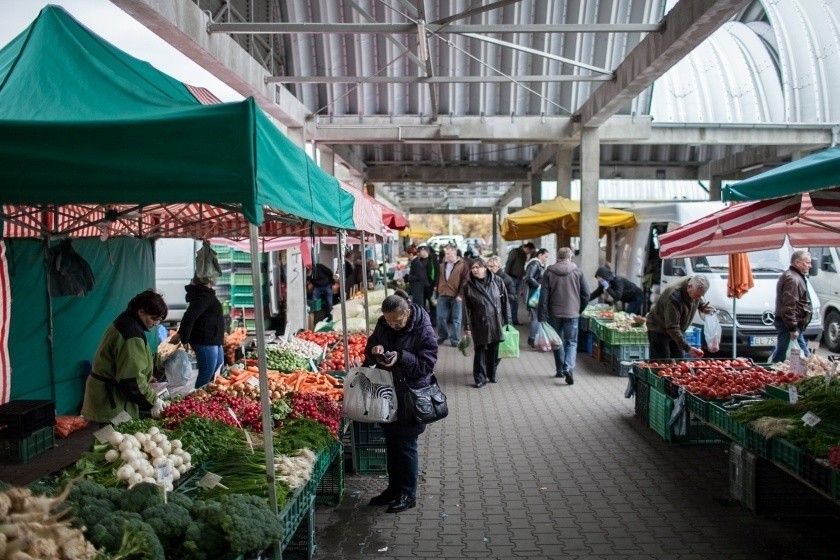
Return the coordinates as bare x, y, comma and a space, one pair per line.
817, 171
93, 138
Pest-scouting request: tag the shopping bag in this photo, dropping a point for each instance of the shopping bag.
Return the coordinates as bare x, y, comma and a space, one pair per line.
464, 345
509, 347
534, 298
712, 332
369, 396
546, 338
207, 263
180, 375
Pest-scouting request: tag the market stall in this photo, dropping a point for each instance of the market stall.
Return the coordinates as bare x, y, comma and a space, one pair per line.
559, 215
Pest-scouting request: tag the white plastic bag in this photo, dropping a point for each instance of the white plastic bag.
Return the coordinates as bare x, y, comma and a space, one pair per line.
369, 396
712, 332
180, 375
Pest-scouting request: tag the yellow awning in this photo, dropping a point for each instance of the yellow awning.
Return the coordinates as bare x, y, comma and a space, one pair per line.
416, 233
560, 215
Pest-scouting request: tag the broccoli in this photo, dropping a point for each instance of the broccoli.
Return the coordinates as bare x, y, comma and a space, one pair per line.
139, 542
169, 521
84, 489
141, 496
202, 541
181, 499
92, 511
108, 533
247, 523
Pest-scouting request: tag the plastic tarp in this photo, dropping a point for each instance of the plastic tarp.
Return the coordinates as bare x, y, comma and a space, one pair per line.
83, 122
560, 215
123, 267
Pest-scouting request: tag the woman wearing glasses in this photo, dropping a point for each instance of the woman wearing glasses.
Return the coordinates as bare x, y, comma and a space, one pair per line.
486, 312
405, 344
122, 367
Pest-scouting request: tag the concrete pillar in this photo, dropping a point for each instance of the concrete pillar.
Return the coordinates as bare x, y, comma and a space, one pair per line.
715, 187
496, 237
525, 188
296, 315
563, 163
327, 161
590, 156
536, 187
500, 248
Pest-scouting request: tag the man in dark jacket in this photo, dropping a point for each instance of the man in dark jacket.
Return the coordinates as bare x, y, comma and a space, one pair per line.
671, 315
515, 268
322, 278
419, 280
563, 296
619, 289
534, 270
793, 306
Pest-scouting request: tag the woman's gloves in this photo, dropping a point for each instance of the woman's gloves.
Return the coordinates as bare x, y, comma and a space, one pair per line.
604, 283
158, 408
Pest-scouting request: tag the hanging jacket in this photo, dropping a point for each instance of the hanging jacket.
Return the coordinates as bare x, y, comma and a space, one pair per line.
486, 309
203, 322
121, 371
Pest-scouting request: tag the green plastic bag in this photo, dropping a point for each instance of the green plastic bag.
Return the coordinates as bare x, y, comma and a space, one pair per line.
509, 347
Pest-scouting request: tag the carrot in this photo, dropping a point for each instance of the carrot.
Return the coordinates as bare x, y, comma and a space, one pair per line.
335, 382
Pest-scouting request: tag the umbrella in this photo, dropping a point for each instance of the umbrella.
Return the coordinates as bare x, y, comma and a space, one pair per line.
740, 281
416, 233
556, 216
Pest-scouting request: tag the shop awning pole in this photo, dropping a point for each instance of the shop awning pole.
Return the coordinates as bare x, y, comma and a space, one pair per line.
342, 283
365, 284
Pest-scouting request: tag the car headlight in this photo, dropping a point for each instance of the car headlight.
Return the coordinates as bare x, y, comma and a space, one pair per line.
724, 317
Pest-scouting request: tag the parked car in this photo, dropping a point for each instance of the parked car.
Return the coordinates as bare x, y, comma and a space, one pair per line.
439, 241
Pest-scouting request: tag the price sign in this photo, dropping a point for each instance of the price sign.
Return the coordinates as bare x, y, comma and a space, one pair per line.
810, 419
249, 440
312, 365
253, 381
813, 345
794, 394
104, 434
233, 415
797, 363
211, 480
120, 418
163, 471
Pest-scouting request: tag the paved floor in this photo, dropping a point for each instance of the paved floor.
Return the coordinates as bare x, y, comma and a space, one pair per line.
533, 468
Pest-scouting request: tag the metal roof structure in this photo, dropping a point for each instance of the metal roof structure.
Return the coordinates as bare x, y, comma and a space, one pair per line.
456, 105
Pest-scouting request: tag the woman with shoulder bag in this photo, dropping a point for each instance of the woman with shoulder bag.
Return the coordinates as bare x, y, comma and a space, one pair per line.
486, 312
405, 344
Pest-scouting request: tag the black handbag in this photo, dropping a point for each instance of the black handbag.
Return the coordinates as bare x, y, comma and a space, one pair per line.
427, 404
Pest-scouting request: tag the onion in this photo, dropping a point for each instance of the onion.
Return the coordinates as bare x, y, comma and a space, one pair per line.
136, 478
157, 452
125, 472
157, 438
154, 430
115, 439
112, 455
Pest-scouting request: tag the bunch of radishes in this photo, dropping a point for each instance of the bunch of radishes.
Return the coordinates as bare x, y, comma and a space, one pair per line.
148, 457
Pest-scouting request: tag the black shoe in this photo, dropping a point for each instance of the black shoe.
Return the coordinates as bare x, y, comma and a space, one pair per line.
560, 375
384, 498
492, 380
570, 380
441, 341
517, 324
531, 342
403, 503
480, 384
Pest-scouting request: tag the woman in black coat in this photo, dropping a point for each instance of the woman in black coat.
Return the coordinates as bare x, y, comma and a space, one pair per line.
405, 344
203, 328
486, 312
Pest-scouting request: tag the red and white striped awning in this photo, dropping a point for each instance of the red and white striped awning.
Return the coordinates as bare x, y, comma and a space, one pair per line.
763, 224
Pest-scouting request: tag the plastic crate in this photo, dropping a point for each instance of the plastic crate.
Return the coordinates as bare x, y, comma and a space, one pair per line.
18, 419
692, 336
237, 300
296, 508
642, 405
817, 472
777, 392
697, 406
631, 352
241, 257
756, 442
241, 279
368, 434
719, 416
331, 487
629, 336
659, 413
786, 455
585, 339
370, 460
242, 290
20, 451
624, 369
300, 545
596, 349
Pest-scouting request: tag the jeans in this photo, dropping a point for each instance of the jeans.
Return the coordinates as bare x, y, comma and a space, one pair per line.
783, 341
514, 303
403, 463
565, 357
210, 359
535, 324
484, 362
449, 310
325, 294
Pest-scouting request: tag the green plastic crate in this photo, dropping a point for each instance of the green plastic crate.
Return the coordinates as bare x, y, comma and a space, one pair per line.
240, 300
246, 279
331, 487
21, 451
660, 413
697, 406
642, 404
786, 455
630, 336
371, 460
777, 392
756, 442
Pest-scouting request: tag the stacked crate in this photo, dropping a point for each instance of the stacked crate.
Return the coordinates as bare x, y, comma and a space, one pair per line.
235, 287
369, 449
26, 430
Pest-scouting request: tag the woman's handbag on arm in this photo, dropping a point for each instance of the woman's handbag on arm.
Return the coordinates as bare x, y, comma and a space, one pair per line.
427, 404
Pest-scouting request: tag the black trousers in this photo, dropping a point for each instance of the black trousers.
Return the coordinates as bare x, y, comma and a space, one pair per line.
484, 362
663, 347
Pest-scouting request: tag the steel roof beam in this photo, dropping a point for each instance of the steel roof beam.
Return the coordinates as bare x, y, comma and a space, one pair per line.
432, 79
476, 10
687, 25
411, 28
434, 174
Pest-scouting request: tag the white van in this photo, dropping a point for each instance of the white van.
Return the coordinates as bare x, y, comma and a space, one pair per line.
825, 263
174, 269
637, 259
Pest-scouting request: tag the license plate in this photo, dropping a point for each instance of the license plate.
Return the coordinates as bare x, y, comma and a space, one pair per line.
762, 341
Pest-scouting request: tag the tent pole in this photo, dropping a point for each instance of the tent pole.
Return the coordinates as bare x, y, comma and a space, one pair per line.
365, 284
265, 402
384, 266
50, 325
342, 283
734, 329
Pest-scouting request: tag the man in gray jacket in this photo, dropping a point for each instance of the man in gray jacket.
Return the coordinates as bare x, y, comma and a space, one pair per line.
563, 296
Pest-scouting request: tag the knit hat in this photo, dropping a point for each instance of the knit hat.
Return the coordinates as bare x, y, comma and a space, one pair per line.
605, 273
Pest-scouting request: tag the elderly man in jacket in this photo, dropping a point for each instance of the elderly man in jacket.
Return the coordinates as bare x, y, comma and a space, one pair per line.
793, 306
515, 268
671, 315
563, 296
454, 273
